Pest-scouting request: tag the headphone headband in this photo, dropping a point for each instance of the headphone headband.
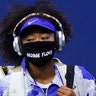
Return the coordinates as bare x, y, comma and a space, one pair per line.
60, 37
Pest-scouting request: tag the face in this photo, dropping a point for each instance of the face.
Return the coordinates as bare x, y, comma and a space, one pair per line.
37, 36
38, 46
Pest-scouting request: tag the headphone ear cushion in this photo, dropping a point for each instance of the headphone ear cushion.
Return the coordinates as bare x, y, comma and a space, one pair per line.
16, 45
60, 40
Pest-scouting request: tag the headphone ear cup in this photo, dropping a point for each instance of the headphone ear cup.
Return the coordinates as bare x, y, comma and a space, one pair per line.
16, 45
60, 40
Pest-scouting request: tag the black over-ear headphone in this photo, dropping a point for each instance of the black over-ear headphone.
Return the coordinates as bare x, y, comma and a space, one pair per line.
60, 37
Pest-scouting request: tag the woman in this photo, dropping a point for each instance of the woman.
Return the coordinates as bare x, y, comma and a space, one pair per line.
33, 34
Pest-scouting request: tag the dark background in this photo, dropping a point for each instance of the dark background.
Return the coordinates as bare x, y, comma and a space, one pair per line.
81, 50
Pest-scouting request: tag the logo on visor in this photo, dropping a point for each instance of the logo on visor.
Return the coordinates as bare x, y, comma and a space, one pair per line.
30, 22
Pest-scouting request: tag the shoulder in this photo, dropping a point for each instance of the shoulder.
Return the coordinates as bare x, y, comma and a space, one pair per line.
5, 81
4, 84
82, 72
85, 82
79, 71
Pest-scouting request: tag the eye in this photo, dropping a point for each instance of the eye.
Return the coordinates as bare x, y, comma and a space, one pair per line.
45, 38
28, 40
31, 39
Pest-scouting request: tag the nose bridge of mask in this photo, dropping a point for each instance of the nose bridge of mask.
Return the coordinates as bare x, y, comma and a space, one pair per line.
40, 46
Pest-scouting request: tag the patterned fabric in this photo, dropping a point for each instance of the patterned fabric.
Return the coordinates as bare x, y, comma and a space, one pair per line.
84, 83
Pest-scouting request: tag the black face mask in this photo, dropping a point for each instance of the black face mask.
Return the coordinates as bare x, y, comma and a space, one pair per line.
39, 53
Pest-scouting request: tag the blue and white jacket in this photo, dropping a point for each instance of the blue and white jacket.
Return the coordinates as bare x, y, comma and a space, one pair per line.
20, 83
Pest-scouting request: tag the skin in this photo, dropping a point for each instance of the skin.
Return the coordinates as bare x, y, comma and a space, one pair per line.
45, 74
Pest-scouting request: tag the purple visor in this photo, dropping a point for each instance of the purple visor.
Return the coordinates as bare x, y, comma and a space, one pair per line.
38, 22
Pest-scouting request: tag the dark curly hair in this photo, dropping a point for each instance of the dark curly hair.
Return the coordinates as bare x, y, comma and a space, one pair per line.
15, 15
